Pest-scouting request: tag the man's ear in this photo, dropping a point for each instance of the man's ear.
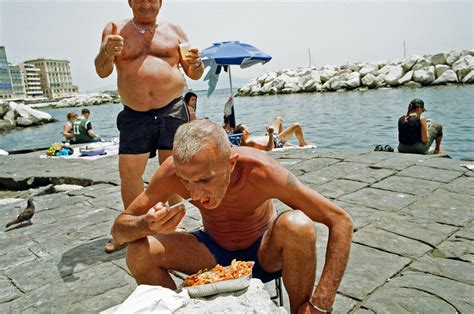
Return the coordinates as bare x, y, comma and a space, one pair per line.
233, 161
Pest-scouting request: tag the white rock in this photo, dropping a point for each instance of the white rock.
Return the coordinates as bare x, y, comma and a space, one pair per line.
5, 125
369, 80
392, 77
385, 70
452, 57
368, 68
267, 88
469, 78
380, 80
406, 78
440, 69
271, 76
316, 76
10, 117
26, 112
67, 187
424, 76
24, 121
412, 84
421, 63
253, 300
439, 58
407, 64
326, 74
463, 66
353, 80
448, 76
338, 84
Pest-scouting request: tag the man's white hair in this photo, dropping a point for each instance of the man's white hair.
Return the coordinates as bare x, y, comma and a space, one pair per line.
191, 137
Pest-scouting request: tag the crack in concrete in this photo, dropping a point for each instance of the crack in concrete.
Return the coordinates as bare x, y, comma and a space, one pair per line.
432, 294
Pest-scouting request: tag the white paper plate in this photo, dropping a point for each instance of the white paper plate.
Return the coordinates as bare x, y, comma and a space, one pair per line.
219, 287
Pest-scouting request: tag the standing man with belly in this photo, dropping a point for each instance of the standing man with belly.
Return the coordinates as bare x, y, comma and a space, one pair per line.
145, 52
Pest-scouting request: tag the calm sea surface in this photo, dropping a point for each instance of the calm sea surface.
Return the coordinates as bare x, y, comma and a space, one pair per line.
330, 120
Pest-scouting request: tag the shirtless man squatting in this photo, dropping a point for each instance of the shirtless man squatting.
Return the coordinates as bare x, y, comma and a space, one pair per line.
233, 188
146, 55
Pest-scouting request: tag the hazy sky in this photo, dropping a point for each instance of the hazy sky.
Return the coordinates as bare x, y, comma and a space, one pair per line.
336, 31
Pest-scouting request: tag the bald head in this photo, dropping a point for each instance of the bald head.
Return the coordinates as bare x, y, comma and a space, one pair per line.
191, 137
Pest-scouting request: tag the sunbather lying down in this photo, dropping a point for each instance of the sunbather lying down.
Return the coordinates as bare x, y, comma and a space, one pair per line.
276, 136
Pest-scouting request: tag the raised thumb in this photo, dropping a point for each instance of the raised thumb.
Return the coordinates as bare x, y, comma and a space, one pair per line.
114, 29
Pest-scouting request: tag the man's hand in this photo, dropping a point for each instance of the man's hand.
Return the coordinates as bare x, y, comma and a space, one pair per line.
270, 130
193, 58
113, 44
160, 218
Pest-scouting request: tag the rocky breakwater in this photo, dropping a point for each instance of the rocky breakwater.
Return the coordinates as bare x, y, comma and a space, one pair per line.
13, 115
438, 69
83, 100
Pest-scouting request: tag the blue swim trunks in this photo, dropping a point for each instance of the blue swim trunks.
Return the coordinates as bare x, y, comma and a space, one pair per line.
224, 257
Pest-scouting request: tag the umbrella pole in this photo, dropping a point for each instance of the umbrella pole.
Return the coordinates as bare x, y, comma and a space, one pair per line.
232, 116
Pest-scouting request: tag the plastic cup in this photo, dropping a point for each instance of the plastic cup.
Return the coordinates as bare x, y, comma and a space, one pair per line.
184, 49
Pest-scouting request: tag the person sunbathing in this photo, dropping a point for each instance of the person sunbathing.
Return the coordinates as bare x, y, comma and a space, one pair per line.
272, 139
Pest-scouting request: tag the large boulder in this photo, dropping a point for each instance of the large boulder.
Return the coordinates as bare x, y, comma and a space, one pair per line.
412, 84
439, 58
463, 66
440, 69
406, 78
380, 80
452, 57
392, 77
421, 63
407, 64
353, 81
5, 125
3, 109
469, 78
29, 113
316, 76
368, 68
448, 76
326, 74
424, 76
369, 80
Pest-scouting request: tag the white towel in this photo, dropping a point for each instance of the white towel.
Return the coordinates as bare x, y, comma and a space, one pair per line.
153, 299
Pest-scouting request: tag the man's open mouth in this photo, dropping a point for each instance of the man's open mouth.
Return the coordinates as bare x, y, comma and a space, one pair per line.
205, 200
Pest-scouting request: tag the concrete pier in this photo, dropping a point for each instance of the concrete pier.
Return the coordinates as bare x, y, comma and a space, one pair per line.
412, 251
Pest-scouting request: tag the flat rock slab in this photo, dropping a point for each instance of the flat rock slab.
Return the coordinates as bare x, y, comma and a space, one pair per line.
444, 207
368, 269
380, 199
408, 185
429, 173
412, 249
372, 236
435, 294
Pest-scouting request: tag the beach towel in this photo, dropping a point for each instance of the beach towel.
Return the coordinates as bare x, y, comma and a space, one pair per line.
109, 149
294, 147
151, 299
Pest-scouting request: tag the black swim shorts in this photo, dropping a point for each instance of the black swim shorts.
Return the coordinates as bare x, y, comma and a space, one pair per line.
224, 257
145, 132
277, 142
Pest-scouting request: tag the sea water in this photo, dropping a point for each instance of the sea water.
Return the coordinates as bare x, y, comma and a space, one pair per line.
331, 120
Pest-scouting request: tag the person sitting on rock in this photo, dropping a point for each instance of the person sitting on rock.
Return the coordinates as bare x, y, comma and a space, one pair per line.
415, 135
233, 189
271, 140
67, 129
82, 129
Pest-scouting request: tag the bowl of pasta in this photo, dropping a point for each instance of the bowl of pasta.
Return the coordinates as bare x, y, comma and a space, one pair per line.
219, 279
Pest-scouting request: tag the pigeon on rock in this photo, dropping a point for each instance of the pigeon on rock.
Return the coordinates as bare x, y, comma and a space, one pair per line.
25, 215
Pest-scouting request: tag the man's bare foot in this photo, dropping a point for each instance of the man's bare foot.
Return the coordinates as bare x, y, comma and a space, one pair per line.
304, 144
111, 247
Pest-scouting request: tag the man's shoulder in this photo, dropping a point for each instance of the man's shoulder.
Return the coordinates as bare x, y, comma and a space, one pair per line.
258, 161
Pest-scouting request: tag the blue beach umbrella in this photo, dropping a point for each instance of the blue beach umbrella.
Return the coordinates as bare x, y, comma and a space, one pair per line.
223, 55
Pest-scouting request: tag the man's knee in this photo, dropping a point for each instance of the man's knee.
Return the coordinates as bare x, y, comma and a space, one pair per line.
294, 225
139, 259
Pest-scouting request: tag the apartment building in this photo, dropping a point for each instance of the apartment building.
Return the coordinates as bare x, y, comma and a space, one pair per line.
31, 76
5, 79
55, 78
18, 84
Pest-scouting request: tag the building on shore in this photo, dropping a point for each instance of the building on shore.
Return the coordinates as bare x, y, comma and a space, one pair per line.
18, 84
31, 76
55, 78
5, 79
